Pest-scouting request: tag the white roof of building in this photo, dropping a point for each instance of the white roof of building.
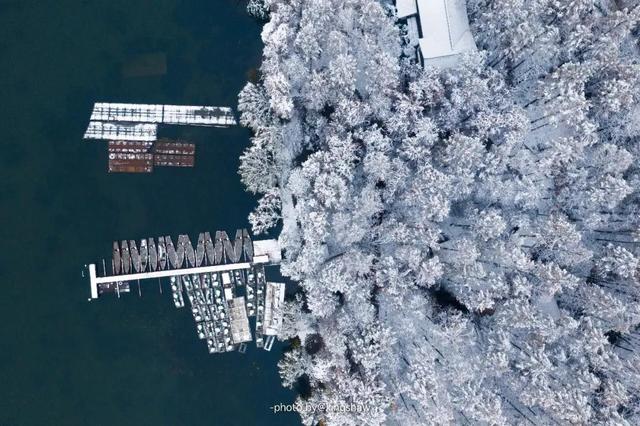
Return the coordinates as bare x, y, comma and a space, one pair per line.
445, 30
406, 8
412, 30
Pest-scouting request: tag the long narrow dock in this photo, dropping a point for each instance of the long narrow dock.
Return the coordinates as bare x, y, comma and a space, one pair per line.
264, 252
92, 279
164, 274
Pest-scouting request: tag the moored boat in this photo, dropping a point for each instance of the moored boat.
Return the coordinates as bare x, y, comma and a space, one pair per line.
171, 252
117, 261
135, 256
237, 247
218, 248
144, 255
228, 247
247, 245
126, 257
189, 252
162, 254
180, 251
200, 250
208, 247
153, 255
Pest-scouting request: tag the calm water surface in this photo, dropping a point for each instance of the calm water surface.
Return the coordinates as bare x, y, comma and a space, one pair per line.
133, 361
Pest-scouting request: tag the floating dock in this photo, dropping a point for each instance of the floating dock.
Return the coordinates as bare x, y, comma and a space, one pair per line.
132, 132
168, 146
168, 153
198, 115
273, 308
142, 156
130, 163
223, 296
121, 131
240, 331
189, 115
129, 146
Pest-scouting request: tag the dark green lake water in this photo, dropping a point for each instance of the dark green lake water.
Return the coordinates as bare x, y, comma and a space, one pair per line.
133, 361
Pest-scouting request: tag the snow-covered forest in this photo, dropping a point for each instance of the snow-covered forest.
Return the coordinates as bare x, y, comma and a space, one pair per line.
466, 240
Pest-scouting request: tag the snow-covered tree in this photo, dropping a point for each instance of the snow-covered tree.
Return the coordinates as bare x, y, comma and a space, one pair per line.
465, 238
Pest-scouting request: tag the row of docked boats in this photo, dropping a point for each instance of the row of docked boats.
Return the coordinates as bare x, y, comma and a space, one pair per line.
209, 309
211, 295
152, 256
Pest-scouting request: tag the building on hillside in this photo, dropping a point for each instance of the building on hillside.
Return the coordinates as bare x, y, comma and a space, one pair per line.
438, 29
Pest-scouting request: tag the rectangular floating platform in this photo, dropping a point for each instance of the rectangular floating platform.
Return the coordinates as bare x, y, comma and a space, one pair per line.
142, 156
121, 131
130, 146
140, 113
267, 249
92, 281
240, 331
198, 115
273, 308
166, 114
171, 160
167, 146
174, 154
120, 162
